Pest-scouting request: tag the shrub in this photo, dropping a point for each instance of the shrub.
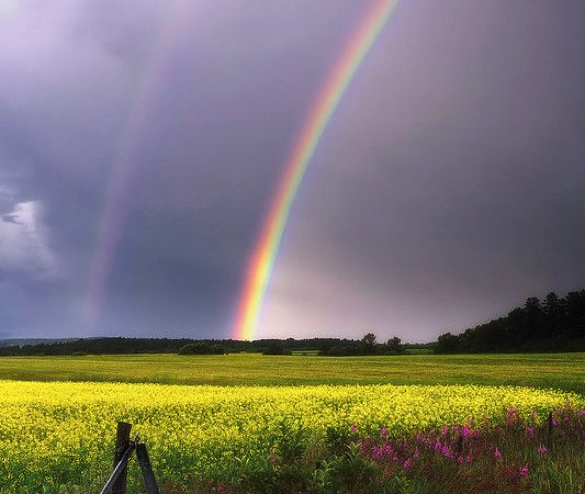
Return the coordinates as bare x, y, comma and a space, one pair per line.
202, 349
276, 349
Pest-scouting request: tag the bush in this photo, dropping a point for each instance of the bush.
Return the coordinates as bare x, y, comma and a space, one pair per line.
276, 349
202, 349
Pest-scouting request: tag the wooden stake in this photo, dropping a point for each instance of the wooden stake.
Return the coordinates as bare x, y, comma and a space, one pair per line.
146, 467
122, 443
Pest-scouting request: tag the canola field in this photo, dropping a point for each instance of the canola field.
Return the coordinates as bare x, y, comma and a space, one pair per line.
58, 437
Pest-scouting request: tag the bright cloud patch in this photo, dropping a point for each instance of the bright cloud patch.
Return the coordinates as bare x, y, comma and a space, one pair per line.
23, 242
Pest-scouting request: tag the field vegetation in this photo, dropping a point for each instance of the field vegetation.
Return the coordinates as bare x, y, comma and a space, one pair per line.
557, 371
57, 438
248, 423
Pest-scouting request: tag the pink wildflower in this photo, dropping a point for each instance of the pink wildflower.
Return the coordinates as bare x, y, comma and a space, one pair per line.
353, 428
444, 431
469, 458
524, 471
497, 454
466, 431
542, 450
383, 431
445, 451
406, 465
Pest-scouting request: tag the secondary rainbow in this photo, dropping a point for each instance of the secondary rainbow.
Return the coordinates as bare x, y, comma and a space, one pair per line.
266, 248
124, 167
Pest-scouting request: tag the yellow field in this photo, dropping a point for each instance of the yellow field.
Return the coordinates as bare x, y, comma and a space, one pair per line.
54, 434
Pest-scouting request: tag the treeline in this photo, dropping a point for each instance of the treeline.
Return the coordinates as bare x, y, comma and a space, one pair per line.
368, 345
98, 346
120, 345
554, 324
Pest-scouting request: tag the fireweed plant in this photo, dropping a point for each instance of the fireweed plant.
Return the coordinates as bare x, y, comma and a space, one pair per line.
519, 454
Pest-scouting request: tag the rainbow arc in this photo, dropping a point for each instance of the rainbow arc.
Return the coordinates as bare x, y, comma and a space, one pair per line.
266, 248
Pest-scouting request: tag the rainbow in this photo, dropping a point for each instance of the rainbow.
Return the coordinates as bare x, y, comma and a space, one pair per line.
118, 199
266, 248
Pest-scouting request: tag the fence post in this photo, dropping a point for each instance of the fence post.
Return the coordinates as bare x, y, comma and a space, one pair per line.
122, 443
146, 467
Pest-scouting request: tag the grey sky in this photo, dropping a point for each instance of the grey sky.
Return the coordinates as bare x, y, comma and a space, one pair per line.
447, 187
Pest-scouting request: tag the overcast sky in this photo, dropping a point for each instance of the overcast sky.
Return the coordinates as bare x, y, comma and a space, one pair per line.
140, 142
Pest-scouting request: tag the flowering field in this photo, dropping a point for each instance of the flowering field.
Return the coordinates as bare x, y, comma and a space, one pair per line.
58, 437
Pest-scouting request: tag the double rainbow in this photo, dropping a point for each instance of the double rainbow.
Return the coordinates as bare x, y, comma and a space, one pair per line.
264, 254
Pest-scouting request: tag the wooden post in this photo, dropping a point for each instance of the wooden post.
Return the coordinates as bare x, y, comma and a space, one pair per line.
146, 467
118, 469
122, 443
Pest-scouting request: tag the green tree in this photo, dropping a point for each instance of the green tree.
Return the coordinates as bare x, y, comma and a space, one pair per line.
369, 339
394, 345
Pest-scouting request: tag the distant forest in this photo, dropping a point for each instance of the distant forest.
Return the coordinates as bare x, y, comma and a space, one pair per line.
554, 324
551, 325
111, 346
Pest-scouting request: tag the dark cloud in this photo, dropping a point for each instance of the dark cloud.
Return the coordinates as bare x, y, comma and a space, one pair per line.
10, 218
447, 187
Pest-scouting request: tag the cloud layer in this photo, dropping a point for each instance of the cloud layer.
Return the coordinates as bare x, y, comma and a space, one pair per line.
140, 142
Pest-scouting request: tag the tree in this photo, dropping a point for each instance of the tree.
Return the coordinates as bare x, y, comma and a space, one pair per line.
552, 304
575, 304
448, 343
369, 339
554, 315
532, 305
395, 345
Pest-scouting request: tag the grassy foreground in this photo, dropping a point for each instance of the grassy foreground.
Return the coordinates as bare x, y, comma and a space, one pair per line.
565, 372
253, 424
57, 438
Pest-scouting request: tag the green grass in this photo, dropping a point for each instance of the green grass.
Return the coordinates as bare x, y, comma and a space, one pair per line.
418, 351
558, 371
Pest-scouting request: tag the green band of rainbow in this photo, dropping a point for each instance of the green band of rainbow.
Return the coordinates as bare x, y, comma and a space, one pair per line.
264, 254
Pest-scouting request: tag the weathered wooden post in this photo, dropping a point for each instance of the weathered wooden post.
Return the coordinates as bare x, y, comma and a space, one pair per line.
147, 473
116, 484
122, 444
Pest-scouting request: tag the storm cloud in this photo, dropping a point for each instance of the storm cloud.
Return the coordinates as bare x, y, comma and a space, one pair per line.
447, 187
